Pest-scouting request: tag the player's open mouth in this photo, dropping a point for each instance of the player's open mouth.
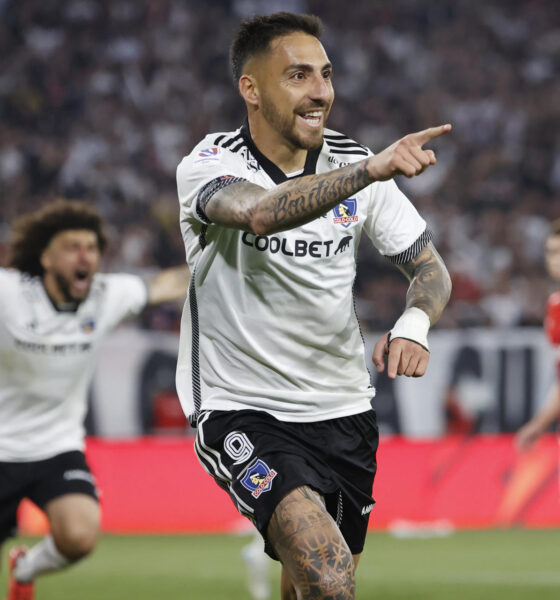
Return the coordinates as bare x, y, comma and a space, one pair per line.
313, 118
82, 280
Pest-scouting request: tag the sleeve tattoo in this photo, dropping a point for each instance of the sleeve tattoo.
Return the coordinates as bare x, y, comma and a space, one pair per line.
244, 205
430, 284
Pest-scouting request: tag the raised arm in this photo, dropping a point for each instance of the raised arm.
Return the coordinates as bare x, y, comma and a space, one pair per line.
244, 205
169, 285
428, 293
547, 415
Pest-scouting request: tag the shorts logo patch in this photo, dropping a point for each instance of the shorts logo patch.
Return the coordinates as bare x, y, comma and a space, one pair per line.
258, 478
345, 212
367, 509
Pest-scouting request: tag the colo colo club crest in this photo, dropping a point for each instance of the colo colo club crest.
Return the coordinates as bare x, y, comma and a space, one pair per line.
345, 212
258, 478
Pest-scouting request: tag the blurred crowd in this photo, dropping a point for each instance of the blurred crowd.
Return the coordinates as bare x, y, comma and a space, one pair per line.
100, 99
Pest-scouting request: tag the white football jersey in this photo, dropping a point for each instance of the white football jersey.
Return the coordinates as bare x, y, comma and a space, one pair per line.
269, 323
47, 359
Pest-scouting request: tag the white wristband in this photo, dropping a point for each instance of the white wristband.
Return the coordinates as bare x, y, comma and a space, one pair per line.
413, 325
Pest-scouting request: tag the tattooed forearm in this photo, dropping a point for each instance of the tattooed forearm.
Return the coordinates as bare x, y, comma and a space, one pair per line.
301, 200
298, 201
247, 206
430, 284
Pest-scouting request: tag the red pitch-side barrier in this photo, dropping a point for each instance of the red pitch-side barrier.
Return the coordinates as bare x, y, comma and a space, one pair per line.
157, 485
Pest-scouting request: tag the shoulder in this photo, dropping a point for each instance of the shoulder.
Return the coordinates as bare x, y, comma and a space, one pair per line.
12, 278
119, 289
345, 148
214, 148
109, 281
554, 300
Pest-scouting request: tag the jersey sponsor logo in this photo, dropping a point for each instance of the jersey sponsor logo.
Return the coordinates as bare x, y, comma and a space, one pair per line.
60, 349
297, 248
238, 447
344, 244
345, 212
258, 478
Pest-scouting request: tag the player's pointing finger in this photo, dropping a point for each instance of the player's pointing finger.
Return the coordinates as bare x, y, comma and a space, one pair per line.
429, 134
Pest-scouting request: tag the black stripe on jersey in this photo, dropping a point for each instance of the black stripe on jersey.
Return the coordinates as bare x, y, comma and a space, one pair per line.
238, 147
412, 251
229, 142
209, 189
219, 139
195, 358
341, 141
345, 145
202, 236
357, 152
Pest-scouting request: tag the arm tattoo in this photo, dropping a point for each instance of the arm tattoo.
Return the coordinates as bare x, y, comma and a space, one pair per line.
247, 206
296, 202
430, 284
311, 547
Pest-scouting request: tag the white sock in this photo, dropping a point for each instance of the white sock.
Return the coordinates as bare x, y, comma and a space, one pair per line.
41, 558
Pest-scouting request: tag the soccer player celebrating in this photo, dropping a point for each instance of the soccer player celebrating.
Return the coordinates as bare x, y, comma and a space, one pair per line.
55, 309
271, 361
549, 413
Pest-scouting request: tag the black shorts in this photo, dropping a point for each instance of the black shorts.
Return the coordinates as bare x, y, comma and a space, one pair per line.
41, 481
258, 459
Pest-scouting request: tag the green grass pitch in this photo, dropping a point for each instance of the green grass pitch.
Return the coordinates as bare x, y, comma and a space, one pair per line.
468, 565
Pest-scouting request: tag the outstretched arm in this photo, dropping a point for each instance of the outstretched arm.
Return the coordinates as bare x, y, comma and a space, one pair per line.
428, 293
244, 205
169, 285
547, 415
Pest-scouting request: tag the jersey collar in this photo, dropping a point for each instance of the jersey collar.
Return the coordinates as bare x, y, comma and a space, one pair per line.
274, 172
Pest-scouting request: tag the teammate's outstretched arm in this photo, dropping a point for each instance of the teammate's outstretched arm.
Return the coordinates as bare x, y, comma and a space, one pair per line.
406, 344
247, 206
169, 285
547, 415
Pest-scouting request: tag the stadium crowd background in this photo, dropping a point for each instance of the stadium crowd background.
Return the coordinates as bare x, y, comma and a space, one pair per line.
100, 99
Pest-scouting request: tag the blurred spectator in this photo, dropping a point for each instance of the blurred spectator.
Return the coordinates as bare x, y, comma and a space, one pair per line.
101, 99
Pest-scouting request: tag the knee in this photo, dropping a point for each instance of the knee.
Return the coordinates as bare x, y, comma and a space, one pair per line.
329, 583
76, 540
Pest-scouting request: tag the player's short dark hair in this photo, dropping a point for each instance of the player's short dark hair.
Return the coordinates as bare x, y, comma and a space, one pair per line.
32, 232
554, 227
255, 34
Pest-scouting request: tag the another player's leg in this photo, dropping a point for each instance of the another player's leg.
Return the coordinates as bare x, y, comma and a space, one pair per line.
315, 556
257, 563
74, 522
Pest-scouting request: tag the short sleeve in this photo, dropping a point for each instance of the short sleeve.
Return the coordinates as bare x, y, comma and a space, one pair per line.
393, 223
200, 175
127, 296
9, 279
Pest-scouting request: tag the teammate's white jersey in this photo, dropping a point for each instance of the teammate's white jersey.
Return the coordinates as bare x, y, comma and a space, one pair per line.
269, 323
47, 358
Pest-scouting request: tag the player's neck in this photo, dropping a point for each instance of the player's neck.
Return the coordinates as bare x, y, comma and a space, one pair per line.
276, 147
57, 297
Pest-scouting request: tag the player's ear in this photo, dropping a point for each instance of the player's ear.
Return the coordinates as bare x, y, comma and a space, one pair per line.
248, 89
45, 259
